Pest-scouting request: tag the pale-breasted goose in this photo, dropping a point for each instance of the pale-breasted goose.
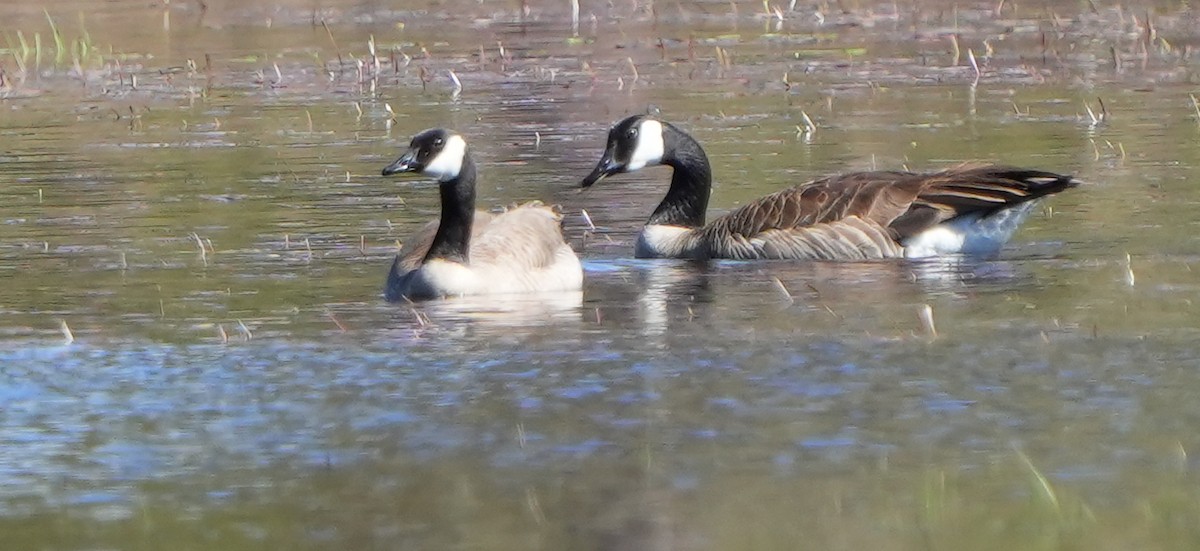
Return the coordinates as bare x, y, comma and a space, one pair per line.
853, 216
469, 252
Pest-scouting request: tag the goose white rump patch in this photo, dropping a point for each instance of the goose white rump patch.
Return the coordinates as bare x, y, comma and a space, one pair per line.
449, 161
649, 149
969, 234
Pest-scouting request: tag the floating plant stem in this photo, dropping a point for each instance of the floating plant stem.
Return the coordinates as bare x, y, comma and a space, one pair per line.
334, 42
60, 49
1042, 483
783, 290
1129, 277
1196, 106
1095, 119
84, 41
809, 126
200, 244
21, 55
374, 57
66, 332
574, 17
926, 315
245, 330
974, 65
458, 87
335, 321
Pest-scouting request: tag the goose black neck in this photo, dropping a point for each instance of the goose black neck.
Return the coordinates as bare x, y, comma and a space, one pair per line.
687, 199
453, 237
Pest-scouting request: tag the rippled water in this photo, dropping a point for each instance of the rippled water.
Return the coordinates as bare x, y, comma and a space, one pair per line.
197, 202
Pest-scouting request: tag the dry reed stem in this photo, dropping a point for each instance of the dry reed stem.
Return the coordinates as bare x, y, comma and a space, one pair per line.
458, 87
334, 42
66, 332
1130, 279
783, 290
926, 315
809, 125
245, 330
974, 66
335, 321
200, 245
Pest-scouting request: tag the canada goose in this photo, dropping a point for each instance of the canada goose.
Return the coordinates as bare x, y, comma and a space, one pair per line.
853, 216
469, 252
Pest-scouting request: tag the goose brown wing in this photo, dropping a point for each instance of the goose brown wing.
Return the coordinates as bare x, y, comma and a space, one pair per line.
975, 189
413, 252
839, 217
865, 214
851, 238
876, 196
527, 236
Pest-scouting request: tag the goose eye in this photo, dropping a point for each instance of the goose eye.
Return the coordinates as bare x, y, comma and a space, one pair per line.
632, 133
438, 142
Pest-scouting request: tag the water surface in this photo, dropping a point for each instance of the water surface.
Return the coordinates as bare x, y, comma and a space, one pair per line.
196, 198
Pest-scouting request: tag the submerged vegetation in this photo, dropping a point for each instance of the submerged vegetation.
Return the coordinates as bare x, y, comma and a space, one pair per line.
32, 55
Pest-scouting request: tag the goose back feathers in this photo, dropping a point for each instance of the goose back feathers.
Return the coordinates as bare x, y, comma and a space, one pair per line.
470, 252
970, 209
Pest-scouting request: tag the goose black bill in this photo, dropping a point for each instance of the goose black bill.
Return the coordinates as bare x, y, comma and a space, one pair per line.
605, 168
406, 163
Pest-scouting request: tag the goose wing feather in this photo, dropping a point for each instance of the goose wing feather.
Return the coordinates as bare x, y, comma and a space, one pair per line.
951, 193
879, 196
843, 217
850, 238
528, 236
520, 249
413, 252
864, 214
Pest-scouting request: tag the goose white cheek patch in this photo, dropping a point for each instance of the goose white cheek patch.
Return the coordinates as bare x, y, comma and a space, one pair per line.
448, 163
649, 148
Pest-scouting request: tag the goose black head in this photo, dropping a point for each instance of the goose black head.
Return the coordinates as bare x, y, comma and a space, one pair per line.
634, 143
436, 152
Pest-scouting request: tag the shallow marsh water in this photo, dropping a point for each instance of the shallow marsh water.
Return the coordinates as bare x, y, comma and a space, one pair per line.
261, 393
